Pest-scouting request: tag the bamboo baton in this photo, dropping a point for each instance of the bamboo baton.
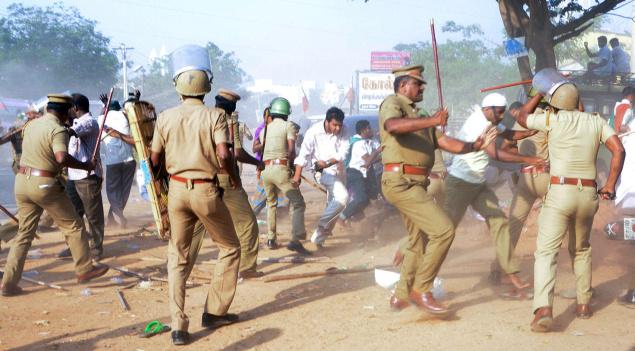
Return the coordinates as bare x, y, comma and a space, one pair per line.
3, 209
436, 69
101, 129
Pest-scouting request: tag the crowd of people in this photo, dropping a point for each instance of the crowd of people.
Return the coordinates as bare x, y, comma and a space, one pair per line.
554, 141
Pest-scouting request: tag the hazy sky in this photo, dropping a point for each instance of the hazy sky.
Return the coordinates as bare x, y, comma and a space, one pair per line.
286, 40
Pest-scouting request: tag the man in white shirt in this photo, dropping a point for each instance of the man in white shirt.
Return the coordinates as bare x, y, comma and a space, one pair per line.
83, 187
116, 152
324, 148
621, 60
360, 176
465, 185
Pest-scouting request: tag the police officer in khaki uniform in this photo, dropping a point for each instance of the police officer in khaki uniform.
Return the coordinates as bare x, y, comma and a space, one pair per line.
236, 200
15, 137
278, 154
466, 184
572, 198
194, 140
531, 184
436, 189
409, 142
44, 154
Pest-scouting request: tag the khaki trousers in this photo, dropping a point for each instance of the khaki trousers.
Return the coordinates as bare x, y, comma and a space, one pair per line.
530, 187
201, 202
277, 179
430, 231
436, 189
460, 194
245, 224
33, 195
567, 208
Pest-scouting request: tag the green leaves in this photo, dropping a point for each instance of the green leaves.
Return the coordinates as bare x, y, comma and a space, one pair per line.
467, 65
53, 49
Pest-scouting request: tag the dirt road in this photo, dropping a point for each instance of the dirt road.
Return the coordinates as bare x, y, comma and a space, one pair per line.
344, 312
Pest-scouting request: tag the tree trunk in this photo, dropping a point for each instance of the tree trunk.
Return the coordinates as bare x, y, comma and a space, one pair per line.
540, 34
537, 30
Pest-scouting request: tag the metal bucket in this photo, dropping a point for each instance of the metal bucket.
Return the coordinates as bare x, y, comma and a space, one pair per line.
189, 58
547, 81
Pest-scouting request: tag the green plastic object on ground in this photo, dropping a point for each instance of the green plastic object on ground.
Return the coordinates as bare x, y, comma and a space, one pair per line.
153, 328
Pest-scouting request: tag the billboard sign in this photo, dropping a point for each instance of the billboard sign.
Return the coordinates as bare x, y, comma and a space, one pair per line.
386, 61
372, 89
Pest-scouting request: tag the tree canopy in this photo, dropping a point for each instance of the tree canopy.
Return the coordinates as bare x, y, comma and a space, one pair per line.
53, 49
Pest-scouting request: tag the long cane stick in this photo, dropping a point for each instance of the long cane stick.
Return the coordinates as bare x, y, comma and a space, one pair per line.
8, 213
101, 129
625, 134
264, 142
436, 68
39, 282
10, 134
313, 184
503, 86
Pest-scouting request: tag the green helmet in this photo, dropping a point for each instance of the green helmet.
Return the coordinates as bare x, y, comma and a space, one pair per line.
193, 83
565, 97
280, 106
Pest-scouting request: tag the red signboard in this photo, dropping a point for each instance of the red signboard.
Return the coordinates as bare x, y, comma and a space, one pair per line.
386, 61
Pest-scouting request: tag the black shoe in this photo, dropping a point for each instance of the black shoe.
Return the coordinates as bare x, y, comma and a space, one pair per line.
296, 246
180, 337
66, 253
272, 244
212, 321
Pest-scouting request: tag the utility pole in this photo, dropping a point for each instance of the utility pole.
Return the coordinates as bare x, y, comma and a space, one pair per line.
124, 59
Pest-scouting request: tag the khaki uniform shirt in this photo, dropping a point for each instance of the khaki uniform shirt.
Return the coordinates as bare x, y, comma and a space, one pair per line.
43, 137
574, 140
278, 132
535, 145
415, 148
189, 134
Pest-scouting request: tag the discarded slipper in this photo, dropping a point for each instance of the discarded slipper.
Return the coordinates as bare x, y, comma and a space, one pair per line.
153, 328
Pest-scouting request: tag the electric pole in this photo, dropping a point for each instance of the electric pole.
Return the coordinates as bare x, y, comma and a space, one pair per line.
124, 59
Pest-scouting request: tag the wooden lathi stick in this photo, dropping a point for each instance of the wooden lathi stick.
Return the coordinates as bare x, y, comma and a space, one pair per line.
3, 209
39, 282
329, 271
103, 124
294, 259
313, 184
436, 68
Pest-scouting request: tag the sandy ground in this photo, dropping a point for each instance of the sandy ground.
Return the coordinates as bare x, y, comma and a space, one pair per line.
343, 312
